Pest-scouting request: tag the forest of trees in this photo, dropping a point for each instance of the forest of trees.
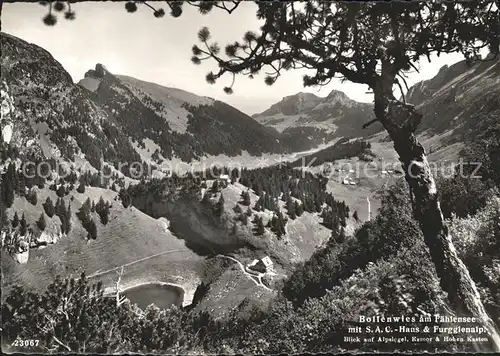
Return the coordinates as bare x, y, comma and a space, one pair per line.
299, 191
385, 262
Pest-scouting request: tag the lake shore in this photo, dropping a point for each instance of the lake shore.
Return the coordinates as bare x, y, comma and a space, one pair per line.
187, 291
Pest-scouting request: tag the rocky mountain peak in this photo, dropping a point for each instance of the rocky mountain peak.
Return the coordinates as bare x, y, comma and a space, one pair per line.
338, 97
98, 73
93, 77
336, 94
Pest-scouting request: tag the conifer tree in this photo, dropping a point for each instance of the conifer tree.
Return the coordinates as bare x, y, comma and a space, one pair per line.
259, 205
23, 226
4, 221
286, 194
249, 212
99, 207
237, 209
215, 187
245, 197
92, 230
61, 191
244, 218
396, 36
22, 185
68, 218
15, 220
219, 207
290, 206
206, 198
234, 229
81, 188
299, 209
260, 226
62, 218
84, 213
41, 222
41, 183
278, 223
102, 209
125, 198
8, 190
49, 208
373, 44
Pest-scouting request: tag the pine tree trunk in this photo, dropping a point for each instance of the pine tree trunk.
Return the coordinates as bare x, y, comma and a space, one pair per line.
400, 121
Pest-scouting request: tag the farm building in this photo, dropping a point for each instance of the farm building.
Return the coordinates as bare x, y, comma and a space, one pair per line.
224, 180
263, 265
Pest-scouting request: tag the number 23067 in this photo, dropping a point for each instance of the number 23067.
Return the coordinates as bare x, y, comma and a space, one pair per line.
25, 343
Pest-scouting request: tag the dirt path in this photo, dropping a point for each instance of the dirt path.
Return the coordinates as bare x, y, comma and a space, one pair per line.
99, 272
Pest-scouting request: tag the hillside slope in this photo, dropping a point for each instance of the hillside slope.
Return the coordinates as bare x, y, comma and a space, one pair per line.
130, 236
458, 104
120, 120
461, 98
173, 123
53, 117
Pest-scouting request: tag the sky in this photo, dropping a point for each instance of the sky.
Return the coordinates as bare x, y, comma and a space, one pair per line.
159, 50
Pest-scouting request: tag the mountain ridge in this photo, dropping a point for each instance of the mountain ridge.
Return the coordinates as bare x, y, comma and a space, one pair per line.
112, 118
306, 120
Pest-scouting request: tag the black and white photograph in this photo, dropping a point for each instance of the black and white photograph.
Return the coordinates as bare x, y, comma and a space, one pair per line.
250, 177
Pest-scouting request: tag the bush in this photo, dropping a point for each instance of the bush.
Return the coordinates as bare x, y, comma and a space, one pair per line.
477, 240
461, 195
392, 230
237, 209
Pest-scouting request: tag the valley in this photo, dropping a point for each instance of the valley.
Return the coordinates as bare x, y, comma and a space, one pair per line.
138, 239
164, 198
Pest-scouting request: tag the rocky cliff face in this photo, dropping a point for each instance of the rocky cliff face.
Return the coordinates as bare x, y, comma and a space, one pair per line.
54, 118
93, 78
460, 100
